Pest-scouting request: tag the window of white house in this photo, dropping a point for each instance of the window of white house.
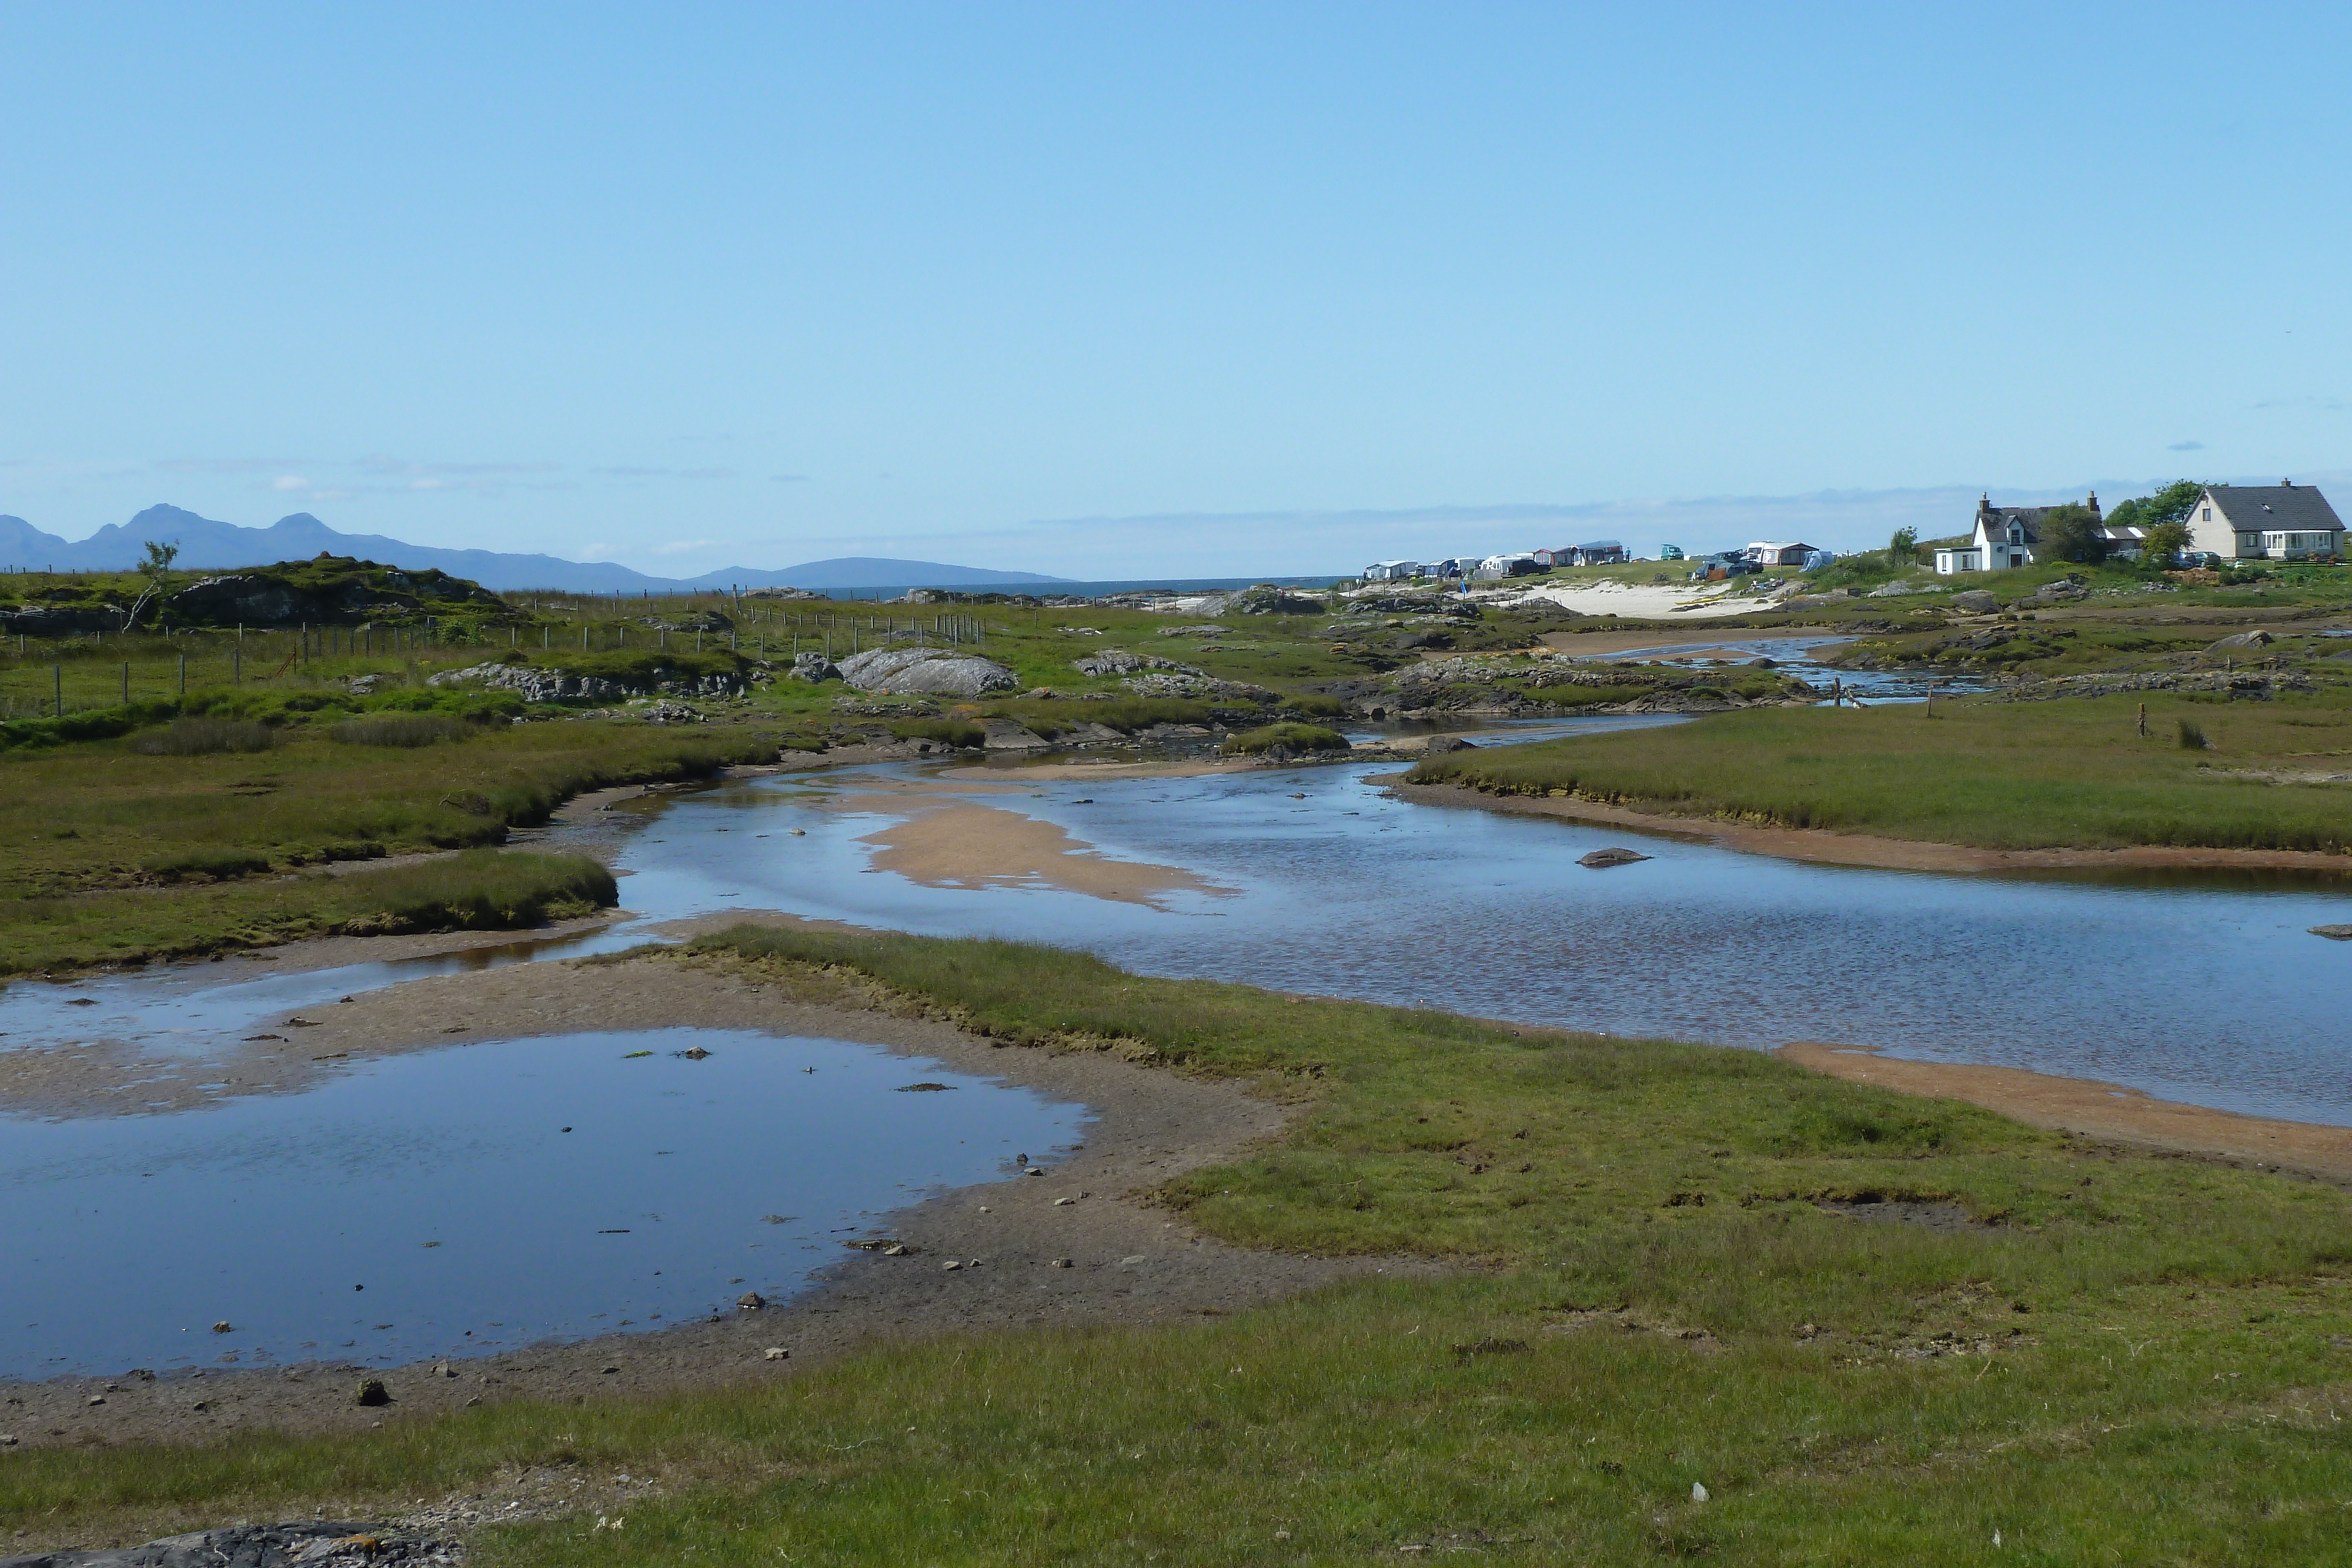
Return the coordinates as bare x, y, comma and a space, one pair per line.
2208, 515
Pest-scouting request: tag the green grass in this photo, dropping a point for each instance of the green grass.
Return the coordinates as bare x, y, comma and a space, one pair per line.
2153, 1365
108, 854
1997, 775
193, 914
1284, 737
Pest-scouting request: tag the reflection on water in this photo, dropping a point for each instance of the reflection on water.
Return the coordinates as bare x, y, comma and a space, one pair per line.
478, 1199
2209, 993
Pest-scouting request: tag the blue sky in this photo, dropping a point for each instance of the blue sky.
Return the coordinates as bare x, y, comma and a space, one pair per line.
1112, 289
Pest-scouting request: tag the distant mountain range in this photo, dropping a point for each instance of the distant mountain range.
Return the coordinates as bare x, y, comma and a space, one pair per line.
207, 546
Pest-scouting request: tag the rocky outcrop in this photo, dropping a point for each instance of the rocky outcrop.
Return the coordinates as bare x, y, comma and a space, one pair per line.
815, 668
1119, 662
533, 685
61, 620
1976, 601
315, 1541
2241, 643
1161, 685
560, 685
931, 672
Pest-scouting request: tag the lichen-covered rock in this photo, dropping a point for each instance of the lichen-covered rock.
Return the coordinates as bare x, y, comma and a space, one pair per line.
815, 668
534, 685
1976, 601
1119, 662
934, 672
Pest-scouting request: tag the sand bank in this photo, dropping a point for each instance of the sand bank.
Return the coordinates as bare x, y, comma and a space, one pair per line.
2096, 1110
1825, 848
970, 845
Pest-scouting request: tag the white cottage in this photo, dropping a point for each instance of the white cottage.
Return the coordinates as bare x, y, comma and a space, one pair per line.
2286, 521
2004, 536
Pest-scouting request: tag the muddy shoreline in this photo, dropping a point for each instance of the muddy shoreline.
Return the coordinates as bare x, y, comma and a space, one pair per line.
2090, 1108
1821, 846
1130, 1262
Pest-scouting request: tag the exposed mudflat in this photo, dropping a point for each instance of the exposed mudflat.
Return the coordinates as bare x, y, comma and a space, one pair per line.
2096, 1109
1129, 1261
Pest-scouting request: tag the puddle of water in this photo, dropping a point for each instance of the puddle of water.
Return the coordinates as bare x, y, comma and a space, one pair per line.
126, 1239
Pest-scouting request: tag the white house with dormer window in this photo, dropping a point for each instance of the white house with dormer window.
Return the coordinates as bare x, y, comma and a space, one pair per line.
2286, 521
2004, 536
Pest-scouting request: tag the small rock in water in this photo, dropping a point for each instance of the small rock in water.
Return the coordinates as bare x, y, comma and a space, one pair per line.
692, 1053
2334, 933
1600, 860
776, 1352
923, 1088
750, 1302
222, 1327
372, 1392
800, 832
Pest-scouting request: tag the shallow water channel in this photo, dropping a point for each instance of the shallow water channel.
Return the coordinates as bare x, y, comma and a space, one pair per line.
442, 1182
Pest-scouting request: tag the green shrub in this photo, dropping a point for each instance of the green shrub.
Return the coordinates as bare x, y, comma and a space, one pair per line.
1283, 737
202, 737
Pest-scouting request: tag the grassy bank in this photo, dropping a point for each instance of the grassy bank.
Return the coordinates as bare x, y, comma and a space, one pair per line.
2100, 1356
1995, 775
135, 847
483, 889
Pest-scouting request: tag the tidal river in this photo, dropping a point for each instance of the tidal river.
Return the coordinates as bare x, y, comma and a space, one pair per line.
433, 1203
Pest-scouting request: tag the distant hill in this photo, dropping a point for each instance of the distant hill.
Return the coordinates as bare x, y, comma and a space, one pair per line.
205, 545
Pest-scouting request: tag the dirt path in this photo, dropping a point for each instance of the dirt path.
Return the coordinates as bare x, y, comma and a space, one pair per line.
2096, 1109
1129, 1263
1826, 848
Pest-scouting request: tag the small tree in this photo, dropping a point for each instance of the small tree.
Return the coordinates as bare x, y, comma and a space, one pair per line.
156, 568
1904, 548
2070, 533
2164, 544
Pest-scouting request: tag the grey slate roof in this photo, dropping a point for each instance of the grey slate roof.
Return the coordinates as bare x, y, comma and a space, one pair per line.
2271, 508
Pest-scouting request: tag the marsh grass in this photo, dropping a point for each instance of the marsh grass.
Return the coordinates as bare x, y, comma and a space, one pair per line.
2119, 1358
1283, 737
87, 830
2072, 773
205, 736
401, 729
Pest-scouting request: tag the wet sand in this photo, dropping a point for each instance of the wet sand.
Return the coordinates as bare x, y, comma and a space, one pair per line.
1825, 848
1130, 1262
1089, 772
948, 842
2105, 1111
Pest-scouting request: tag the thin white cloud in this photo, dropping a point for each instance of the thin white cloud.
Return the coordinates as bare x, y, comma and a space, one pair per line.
289, 482
680, 547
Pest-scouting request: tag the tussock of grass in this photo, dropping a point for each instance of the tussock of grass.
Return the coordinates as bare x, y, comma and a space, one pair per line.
1283, 737
2000, 774
214, 865
489, 890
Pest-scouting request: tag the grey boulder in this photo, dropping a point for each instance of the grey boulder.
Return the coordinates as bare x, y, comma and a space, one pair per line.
1976, 601
931, 672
